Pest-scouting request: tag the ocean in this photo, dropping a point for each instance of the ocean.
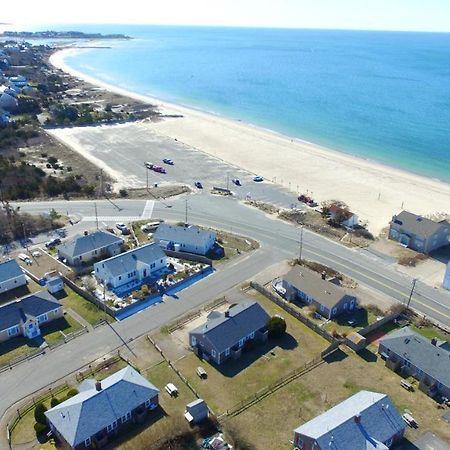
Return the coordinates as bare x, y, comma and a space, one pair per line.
382, 96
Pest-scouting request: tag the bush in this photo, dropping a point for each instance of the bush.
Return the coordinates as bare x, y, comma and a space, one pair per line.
123, 193
276, 326
39, 415
72, 392
54, 402
40, 428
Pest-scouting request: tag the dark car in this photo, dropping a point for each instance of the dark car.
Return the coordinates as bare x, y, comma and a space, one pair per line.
159, 169
198, 185
236, 181
53, 242
168, 161
258, 179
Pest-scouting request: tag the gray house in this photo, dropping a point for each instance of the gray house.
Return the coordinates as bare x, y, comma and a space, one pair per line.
419, 233
11, 276
223, 335
313, 288
83, 249
366, 420
93, 417
26, 316
196, 411
185, 239
411, 354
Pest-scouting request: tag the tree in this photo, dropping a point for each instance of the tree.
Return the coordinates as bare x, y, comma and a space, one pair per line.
39, 413
276, 327
54, 215
54, 402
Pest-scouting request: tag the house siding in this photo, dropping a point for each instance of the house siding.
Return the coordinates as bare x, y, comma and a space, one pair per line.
13, 283
105, 252
419, 243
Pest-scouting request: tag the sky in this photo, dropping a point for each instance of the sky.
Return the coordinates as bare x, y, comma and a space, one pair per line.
402, 15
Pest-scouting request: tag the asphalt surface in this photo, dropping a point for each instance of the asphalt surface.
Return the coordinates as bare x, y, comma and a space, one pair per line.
279, 241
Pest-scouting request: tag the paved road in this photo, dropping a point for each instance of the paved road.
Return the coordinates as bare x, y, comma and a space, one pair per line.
279, 240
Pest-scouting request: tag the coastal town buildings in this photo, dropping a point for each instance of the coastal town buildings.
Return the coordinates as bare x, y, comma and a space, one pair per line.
316, 290
345, 217
26, 316
366, 420
101, 409
223, 335
188, 239
11, 276
419, 233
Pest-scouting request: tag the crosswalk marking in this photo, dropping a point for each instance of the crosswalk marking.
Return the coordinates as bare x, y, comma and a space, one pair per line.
148, 209
111, 218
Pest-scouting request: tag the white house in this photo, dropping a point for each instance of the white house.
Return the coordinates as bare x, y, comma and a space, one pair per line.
11, 275
185, 239
348, 219
136, 265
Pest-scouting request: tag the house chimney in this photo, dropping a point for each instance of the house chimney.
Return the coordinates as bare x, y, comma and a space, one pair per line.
434, 341
227, 313
98, 386
86, 232
324, 275
357, 418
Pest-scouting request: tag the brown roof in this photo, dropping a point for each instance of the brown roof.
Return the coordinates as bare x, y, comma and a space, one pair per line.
418, 225
312, 284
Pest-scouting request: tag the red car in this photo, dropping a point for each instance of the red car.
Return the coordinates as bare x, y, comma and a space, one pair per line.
159, 169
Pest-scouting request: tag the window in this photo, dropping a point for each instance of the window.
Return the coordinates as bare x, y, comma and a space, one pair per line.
152, 265
161, 261
13, 331
227, 352
213, 353
120, 278
322, 308
335, 310
42, 318
194, 341
388, 443
126, 417
87, 442
252, 335
299, 443
147, 403
241, 342
111, 426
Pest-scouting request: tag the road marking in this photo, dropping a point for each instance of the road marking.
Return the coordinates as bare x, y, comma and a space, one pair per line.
148, 209
110, 218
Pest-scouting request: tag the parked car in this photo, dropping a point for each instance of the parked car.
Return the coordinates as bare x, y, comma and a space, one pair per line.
149, 227
61, 232
171, 389
25, 258
198, 185
53, 242
120, 226
36, 253
409, 419
149, 165
159, 169
258, 179
168, 161
236, 181
201, 372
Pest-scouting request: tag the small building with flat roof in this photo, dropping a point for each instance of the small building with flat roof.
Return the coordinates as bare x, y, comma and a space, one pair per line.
11, 275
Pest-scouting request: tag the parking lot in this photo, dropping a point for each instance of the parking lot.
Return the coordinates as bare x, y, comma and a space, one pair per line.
126, 148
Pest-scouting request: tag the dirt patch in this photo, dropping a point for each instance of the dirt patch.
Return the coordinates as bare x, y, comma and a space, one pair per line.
158, 192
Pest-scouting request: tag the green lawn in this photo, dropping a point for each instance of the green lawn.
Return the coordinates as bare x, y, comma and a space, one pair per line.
430, 333
53, 331
30, 288
90, 312
234, 244
140, 235
15, 348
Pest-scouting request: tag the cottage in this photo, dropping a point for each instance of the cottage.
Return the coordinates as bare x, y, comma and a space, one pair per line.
93, 417
411, 354
189, 239
54, 283
345, 217
419, 233
26, 316
196, 411
11, 276
366, 420
312, 288
134, 266
223, 335
83, 249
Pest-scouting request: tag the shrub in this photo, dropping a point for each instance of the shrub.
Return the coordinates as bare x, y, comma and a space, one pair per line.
72, 392
276, 326
40, 428
54, 402
39, 415
123, 193
52, 160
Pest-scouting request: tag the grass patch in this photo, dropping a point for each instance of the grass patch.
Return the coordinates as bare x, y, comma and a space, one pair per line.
234, 244
30, 288
140, 235
90, 312
15, 348
430, 333
53, 331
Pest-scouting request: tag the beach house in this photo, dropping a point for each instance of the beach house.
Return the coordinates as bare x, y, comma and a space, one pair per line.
26, 316
132, 267
223, 335
419, 233
101, 409
11, 275
81, 250
411, 354
188, 239
343, 216
366, 420
315, 289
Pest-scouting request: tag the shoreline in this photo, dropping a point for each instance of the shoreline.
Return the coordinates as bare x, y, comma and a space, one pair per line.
236, 142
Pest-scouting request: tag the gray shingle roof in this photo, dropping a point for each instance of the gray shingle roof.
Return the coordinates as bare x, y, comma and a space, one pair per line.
9, 269
90, 411
418, 225
337, 428
84, 244
433, 360
33, 305
224, 332
312, 284
131, 260
174, 233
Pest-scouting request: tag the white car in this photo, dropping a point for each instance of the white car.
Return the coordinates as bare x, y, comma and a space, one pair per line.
36, 253
149, 165
25, 258
171, 389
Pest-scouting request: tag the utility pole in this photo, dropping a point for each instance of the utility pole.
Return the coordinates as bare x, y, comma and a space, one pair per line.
146, 175
300, 251
414, 281
186, 213
228, 181
101, 182
96, 215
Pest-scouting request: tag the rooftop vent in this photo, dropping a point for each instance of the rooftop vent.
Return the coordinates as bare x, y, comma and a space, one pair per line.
434, 341
227, 313
98, 386
419, 219
357, 418
324, 275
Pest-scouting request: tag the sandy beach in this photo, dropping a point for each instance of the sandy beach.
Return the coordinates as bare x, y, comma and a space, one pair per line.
373, 191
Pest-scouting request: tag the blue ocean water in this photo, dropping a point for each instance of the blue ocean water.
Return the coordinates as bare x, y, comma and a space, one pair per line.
383, 96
